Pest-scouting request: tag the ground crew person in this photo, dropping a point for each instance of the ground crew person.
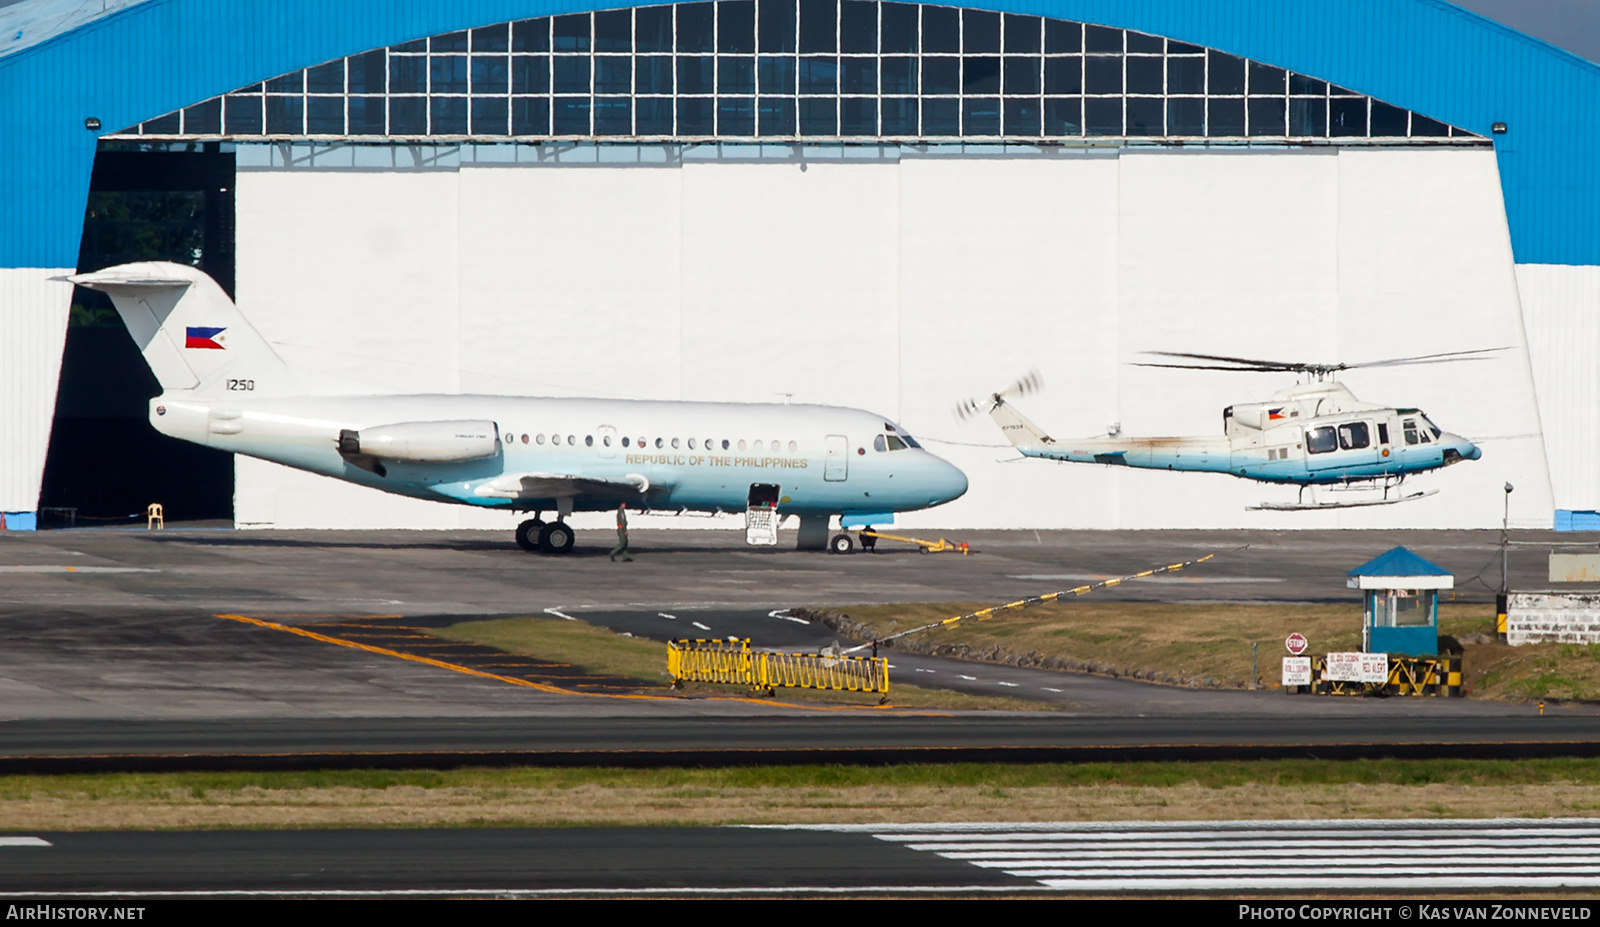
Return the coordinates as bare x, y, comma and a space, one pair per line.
622, 534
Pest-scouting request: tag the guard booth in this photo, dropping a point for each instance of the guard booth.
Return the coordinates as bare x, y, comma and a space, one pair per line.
1401, 602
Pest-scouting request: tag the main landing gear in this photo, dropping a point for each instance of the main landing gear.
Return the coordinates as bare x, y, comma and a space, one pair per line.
534, 536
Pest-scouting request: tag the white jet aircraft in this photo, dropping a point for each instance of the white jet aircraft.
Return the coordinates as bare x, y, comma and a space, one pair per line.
224, 387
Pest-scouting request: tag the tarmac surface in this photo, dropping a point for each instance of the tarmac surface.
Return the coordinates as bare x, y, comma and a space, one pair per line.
115, 645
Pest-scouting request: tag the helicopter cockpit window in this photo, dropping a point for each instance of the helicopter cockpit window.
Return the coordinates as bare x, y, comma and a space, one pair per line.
1322, 440
1431, 426
1353, 435
1411, 431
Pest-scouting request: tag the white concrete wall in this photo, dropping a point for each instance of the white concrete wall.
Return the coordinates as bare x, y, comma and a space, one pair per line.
904, 286
1561, 310
33, 331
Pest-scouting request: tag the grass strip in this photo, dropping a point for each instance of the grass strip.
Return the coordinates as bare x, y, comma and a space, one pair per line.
1266, 789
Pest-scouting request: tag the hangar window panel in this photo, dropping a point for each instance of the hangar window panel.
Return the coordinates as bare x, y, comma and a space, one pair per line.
613, 31
697, 28
491, 38
1022, 34
1021, 77
736, 27
736, 116
325, 115
489, 75
980, 74
1266, 116
858, 116
1022, 117
448, 74
899, 75
530, 115
1145, 75
570, 116
448, 116
652, 74
531, 35
941, 29
692, 70
613, 115
775, 116
242, 115
858, 27
652, 115
980, 32
777, 75
326, 78
1387, 121
1146, 116
204, 118
450, 42
980, 116
1062, 37
571, 33
1063, 116
489, 116
530, 74
776, 23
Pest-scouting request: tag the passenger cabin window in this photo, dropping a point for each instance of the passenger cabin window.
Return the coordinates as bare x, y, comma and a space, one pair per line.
1354, 435
1322, 440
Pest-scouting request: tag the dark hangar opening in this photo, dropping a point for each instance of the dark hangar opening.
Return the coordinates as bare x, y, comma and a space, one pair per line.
105, 462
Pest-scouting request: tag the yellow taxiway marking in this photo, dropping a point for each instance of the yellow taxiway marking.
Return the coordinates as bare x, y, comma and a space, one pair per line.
544, 687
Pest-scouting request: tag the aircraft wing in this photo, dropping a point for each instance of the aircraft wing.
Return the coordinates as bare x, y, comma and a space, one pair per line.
543, 485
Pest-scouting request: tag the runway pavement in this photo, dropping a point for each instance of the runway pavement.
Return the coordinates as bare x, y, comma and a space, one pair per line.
878, 859
114, 647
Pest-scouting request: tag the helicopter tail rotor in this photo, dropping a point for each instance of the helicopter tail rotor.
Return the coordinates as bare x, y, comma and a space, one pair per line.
1025, 385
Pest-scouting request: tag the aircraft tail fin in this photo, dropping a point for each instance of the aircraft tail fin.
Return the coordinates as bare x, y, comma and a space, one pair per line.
1016, 427
192, 335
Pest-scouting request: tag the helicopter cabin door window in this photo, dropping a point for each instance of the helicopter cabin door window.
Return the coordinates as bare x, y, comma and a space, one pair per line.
1354, 436
1322, 440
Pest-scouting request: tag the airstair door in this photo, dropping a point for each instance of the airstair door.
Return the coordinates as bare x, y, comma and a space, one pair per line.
761, 515
836, 458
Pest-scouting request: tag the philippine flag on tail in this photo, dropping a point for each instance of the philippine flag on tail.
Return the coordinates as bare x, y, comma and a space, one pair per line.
210, 338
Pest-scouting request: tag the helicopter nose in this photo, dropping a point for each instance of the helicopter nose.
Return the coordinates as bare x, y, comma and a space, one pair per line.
1470, 451
1458, 448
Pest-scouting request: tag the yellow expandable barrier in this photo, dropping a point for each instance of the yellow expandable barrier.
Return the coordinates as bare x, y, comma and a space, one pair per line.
732, 662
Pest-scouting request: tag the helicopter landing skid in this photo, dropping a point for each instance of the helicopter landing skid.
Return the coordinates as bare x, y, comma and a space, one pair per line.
1361, 503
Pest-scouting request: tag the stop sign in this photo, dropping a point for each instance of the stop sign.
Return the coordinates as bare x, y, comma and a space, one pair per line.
1296, 643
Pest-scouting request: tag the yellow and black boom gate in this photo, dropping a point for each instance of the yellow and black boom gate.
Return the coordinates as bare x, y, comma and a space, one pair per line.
732, 662
1417, 676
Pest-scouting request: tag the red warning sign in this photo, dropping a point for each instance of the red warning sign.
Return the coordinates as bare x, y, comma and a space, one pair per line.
1296, 643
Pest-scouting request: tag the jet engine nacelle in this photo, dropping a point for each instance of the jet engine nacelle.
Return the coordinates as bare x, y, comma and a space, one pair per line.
423, 442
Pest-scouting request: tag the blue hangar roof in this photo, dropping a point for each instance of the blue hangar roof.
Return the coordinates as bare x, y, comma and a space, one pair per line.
140, 60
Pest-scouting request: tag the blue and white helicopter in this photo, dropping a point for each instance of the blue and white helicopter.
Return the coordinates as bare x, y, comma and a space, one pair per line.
223, 386
1313, 434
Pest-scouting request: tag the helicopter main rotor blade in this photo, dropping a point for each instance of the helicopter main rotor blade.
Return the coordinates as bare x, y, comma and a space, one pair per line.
1241, 361
1442, 358
1262, 369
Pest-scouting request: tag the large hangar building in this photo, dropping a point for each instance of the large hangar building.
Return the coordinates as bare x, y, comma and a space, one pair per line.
885, 205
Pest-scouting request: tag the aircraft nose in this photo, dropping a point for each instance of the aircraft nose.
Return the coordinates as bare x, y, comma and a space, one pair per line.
949, 483
1470, 451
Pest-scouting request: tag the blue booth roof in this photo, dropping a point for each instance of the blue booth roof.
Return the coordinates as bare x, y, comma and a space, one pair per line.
1398, 562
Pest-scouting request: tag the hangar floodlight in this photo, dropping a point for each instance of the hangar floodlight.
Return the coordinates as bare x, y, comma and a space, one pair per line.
92, 124
1498, 128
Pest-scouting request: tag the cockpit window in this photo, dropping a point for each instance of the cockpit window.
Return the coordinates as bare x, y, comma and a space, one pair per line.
878, 444
1322, 440
1431, 426
1411, 430
895, 444
910, 441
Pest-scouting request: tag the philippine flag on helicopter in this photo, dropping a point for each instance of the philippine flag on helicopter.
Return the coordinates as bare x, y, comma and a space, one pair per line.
197, 337
1272, 414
